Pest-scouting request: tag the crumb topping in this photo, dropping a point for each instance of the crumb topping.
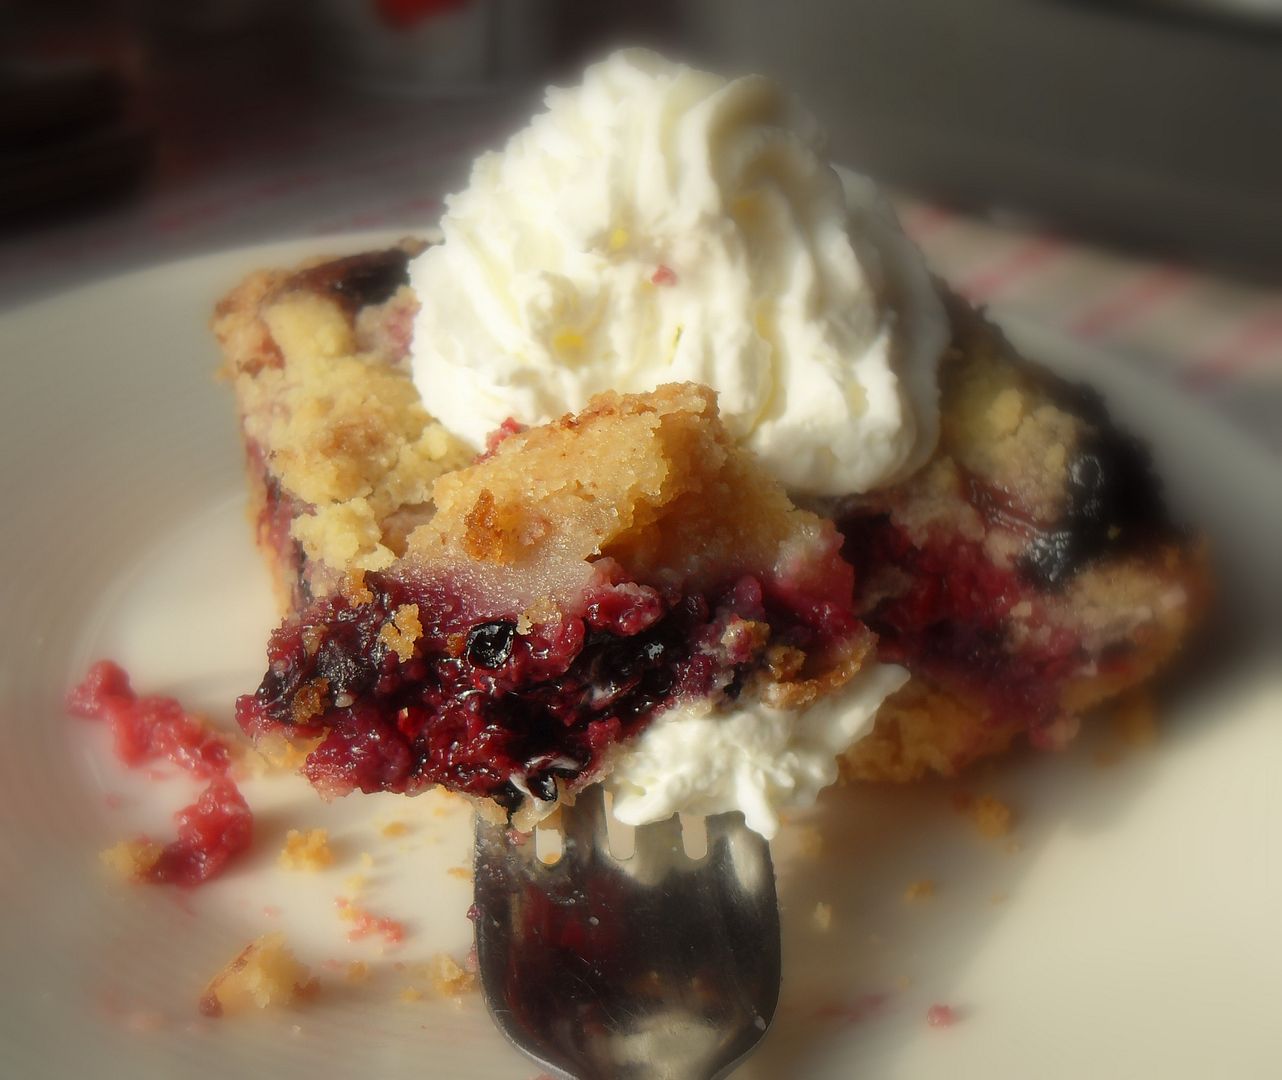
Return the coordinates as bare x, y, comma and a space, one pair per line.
401, 631
651, 480
330, 406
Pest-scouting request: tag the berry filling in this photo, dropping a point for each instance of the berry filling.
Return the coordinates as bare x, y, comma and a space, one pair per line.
218, 825
409, 683
951, 618
980, 628
212, 831
146, 729
357, 281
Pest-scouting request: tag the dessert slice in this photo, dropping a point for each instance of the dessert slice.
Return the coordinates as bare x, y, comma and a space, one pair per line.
1029, 572
1026, 573
579, 582
341, 455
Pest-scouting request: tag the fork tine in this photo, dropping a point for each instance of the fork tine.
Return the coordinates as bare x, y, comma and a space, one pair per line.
584, 824
735, 849
607, 970
658, 852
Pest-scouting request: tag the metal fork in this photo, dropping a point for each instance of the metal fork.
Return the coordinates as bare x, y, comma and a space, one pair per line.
658, 966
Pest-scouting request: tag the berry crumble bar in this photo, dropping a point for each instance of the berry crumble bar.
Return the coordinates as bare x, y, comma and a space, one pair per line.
1027, 573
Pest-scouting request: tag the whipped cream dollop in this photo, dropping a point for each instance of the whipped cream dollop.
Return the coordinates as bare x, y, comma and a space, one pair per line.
752, 758
661, 224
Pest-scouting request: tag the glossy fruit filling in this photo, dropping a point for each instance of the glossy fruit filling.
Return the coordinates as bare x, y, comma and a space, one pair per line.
214, 829
146, 729
950, 618
477, 705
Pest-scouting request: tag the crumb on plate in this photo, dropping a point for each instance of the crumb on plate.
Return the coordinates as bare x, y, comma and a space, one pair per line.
132, 860
308, 850
265, 973
448, 977
924, 889
990, 816
445, 975
366, 924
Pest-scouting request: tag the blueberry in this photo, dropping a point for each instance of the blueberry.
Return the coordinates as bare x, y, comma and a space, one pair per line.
542, 787
490, 644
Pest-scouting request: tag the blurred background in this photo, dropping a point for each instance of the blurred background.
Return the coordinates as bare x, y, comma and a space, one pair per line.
1110, 168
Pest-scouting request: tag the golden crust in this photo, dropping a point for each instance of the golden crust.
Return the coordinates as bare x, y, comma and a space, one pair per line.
650, 480
333, 421
921, 730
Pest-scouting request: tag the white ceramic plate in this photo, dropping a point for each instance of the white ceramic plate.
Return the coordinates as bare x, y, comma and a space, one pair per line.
1133, 929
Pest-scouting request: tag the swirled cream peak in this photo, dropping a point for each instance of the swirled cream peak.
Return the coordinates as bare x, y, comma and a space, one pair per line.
660, 224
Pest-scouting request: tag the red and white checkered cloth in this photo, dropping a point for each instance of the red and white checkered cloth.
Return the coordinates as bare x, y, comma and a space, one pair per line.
1212, 336
294, 172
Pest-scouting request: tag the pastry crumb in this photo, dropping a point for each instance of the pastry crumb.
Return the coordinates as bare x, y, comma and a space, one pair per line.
275, 753
264, 974
449, 978
132, 860
394, 829
991, 817
401, 631
365, 924
463, 873
308, 850
353, 588
445, 975
920, 890
822, 916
